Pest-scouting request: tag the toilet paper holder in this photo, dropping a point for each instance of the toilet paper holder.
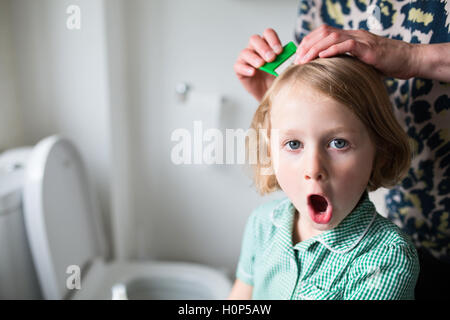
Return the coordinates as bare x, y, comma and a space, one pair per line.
182, 89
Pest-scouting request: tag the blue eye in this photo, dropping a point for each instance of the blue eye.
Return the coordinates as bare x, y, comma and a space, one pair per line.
338, 143
294, 144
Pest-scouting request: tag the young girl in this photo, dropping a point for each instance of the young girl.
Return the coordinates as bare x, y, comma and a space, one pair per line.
331, 138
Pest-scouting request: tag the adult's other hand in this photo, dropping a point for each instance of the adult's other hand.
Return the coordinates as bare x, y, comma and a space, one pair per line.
394, 58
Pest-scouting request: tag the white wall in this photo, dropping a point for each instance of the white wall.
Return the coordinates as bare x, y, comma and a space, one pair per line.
62, 80
123, 223
11, 128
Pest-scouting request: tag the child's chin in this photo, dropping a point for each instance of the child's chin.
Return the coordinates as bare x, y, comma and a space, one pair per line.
323, 226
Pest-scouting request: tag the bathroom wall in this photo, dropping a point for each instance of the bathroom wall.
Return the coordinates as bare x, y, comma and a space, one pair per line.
11, 129
62, 82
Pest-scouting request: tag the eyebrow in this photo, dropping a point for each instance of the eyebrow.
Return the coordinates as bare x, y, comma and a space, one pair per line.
328, 132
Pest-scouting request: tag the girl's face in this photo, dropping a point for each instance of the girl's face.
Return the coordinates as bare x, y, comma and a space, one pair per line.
322, 156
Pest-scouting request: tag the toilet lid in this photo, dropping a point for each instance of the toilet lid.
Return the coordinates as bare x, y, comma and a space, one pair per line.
61, 216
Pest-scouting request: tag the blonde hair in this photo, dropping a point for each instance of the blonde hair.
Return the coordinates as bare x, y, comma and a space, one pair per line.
357, 86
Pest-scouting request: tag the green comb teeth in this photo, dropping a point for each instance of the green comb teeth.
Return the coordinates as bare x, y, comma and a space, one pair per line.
282, 61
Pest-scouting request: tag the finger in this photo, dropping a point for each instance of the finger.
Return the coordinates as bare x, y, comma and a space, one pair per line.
349, 45
250, 57
262, 48
312, 38
330, 40
273, 40
243, 70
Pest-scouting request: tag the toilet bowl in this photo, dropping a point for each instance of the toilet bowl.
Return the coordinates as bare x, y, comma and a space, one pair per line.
68, 246
152, 281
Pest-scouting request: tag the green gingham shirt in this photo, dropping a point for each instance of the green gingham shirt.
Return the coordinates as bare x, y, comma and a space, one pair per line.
365, 257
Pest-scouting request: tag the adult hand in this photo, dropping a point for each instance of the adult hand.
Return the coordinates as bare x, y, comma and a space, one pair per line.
260, 49
394, 58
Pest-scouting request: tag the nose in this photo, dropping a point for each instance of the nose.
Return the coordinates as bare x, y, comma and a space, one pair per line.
315, 168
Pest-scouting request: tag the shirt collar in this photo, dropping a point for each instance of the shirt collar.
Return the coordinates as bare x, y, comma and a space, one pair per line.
341, 239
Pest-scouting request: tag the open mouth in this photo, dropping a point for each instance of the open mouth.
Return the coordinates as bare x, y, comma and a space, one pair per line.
320, 209
318, 203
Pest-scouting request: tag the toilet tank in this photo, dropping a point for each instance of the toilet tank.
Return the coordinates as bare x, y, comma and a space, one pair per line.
18, 279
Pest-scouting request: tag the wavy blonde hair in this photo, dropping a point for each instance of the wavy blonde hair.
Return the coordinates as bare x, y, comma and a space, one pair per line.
355, 85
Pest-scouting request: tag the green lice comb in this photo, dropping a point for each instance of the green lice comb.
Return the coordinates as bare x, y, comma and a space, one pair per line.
282, 61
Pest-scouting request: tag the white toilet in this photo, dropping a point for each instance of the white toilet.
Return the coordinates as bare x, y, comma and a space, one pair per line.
63, 227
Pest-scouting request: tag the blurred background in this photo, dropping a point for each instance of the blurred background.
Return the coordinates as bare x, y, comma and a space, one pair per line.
109, 86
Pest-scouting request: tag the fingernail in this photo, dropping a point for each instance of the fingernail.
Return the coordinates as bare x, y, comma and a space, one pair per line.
277, 48
249, 71
269, 55
297, 59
